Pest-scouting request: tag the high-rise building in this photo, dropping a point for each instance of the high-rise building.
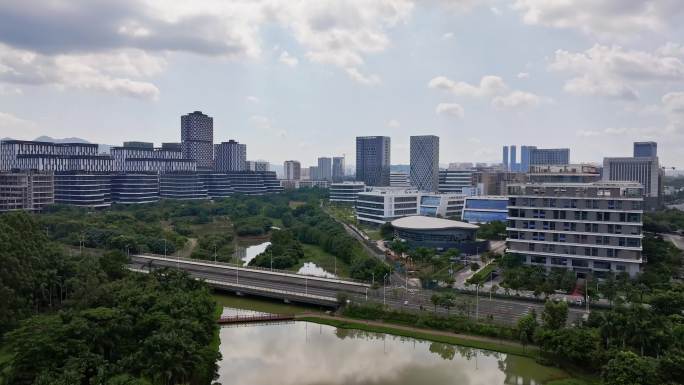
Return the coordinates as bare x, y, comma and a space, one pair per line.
373, 160
231, 156
425, 162
584, 227
313, 173
505, 159
197, 139
455, 181
645, 149
338, 168
292, 169
644, 170
325, 168
513, 163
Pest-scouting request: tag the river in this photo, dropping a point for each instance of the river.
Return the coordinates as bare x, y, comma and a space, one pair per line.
302, 353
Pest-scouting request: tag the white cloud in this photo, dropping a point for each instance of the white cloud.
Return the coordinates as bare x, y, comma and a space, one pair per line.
253, 99
671, 49
489, 86
615, 72
288, 59
12, 123
448, 36
393, 123
357, 76
516, 100
523, 75
451, 109
609, 19
104, 72
673, 104
261, 122
495, 10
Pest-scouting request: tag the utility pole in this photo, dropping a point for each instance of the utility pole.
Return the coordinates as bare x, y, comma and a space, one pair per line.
165, 247
384, 289
214, 253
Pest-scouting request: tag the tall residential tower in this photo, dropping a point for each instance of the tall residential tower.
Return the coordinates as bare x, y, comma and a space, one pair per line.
373, 160
425, 162
197, 139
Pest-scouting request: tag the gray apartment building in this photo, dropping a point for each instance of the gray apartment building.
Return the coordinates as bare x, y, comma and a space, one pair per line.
292, 170
337, 168
643, 169
424, 168
584, 227
373, 160
230, 156
197, 139
26, 190
325, 168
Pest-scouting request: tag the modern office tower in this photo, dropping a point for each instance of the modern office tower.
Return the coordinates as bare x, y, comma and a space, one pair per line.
48, 156
644, 170
217, 184
231, 156
455, 181
505, 159
337, 168
514, 165
197, 139
313, 173
292, 169
373, 160
258, 165
584, 227
425, 162
346, 192
182, 186
485, 209
83, 189
399, 179
26, 190
541, 156
525, 158
143, 157
568, 173
645, 149
132, 189
325, 168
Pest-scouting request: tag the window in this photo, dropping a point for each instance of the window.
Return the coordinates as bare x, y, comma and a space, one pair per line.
620, 267
541, 260
580, 263
559, 261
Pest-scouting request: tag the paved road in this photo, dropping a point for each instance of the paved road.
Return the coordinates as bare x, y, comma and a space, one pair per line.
678, 240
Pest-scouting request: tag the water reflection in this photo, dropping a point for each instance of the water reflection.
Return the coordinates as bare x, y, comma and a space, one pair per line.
309, 354
246, 253
310, 268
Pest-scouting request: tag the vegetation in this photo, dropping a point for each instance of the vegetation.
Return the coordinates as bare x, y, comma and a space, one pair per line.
495, 230
85, 319
665, 221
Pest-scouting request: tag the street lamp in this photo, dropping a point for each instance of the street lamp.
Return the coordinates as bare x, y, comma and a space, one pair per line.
384, 289
165, 247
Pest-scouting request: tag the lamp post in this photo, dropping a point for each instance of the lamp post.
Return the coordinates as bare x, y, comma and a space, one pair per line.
214, 253
165, 247
384, 289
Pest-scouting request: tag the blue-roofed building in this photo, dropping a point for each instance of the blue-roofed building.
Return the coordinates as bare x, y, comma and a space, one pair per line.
485, 209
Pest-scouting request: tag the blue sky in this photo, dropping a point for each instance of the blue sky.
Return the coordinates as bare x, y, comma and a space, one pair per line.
301, 79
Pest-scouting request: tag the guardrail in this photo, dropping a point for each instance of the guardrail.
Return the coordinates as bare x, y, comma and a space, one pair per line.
347, 281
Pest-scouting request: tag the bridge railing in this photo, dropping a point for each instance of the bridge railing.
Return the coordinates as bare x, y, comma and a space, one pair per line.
257, 268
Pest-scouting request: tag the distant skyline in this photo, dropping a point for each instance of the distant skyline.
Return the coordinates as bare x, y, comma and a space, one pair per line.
300, 80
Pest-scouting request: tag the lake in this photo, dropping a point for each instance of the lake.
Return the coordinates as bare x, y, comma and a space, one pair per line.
302, 353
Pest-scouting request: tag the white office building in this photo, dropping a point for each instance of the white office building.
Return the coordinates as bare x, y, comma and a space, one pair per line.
346, 192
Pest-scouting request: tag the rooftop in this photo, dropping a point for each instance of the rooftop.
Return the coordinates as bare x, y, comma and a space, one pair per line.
419, 222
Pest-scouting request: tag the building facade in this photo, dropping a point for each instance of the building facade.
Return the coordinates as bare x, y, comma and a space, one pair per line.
48, 156
82, 189
644, 170
197, 139
531, 155
133, 189
584, 227
338, 168
26, 190
346, 192
425, 162
324, 168
182, 186
399, 179
438, 233
373, 160
485, 209
455, 181
142, 157
568, 173
292, 170
645, 149
258, 165
231, 156
381, 205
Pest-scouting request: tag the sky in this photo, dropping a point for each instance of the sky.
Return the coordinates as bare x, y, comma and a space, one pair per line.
299, 79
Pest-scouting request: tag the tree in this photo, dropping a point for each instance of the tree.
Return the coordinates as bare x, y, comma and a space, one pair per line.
387, 231
436, 300
626, 368
555, 315
447, 301
527, 325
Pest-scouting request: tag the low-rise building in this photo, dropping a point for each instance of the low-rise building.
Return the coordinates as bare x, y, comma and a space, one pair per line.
130, 189
438, 233
182, 186
485, 209
83, 189
381, 205
564, 173
26, 190
346, 192
584, 227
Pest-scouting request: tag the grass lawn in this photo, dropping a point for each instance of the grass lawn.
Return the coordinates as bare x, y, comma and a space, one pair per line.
373, 233
344, 213
323, 259
261, 304
220, 225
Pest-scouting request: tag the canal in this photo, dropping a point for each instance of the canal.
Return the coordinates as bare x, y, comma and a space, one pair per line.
302, 353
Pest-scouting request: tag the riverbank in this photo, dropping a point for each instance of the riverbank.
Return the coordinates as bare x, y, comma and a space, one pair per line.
470, 341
